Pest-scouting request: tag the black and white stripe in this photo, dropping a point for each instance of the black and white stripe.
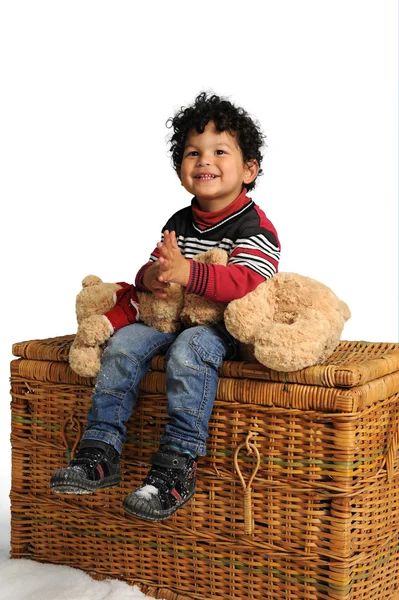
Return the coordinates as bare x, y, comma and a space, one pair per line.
258, 242
191, 246
256, 263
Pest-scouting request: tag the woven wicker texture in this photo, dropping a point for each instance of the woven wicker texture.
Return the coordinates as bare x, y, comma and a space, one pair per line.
352, 363
56, 349
186, 567
284, 395
320, 521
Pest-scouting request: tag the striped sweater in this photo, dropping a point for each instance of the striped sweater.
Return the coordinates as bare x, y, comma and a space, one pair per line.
243, 230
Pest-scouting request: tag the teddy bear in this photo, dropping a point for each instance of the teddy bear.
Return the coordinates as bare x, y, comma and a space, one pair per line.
103, 308
180, 310
288, 322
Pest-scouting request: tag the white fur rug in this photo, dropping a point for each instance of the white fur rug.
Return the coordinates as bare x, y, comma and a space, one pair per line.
29, 580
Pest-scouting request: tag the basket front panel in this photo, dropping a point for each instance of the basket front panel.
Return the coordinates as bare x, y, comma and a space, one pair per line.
190, 567
63, 534
296, 506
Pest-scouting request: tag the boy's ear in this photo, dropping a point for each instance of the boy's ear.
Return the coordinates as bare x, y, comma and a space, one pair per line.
251, 170
178, 172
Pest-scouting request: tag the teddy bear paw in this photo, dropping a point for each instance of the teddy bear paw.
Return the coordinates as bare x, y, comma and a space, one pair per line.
85, 361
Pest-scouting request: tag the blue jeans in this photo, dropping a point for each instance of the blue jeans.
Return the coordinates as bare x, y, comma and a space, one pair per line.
193, 358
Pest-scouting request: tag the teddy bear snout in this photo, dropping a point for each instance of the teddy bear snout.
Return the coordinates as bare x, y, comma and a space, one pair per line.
286, 318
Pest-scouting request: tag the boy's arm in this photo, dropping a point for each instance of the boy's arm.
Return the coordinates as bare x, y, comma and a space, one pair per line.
253, 259
222, 284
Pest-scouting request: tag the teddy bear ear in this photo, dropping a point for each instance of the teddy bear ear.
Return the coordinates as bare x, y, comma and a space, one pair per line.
345, 311
91, 280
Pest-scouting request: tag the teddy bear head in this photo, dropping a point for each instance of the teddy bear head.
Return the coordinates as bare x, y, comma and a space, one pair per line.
290, 321
95, 297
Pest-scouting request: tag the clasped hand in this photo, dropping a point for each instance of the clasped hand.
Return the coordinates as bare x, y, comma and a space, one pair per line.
171, 267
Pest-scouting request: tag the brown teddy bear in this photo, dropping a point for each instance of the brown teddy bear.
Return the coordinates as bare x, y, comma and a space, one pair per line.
103, 308
290, 321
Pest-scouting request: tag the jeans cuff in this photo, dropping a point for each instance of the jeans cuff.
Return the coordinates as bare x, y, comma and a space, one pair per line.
197, 448
103, 436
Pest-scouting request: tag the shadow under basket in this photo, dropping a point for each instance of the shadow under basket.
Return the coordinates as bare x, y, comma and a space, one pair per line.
297, 498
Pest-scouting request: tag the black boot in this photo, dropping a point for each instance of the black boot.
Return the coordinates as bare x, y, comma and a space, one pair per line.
95, 466
170, 483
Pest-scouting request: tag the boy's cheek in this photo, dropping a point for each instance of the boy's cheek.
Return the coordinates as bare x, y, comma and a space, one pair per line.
185, 181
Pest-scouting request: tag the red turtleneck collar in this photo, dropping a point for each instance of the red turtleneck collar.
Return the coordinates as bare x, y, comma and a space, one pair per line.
203, 219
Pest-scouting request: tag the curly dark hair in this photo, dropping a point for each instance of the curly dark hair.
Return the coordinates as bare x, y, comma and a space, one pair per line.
226, 117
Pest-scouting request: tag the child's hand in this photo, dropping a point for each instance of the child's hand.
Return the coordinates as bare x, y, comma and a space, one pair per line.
173, 267
151, 281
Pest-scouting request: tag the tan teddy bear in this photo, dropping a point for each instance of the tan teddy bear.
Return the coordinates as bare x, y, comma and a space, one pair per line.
103, 308
93, 301
291, 321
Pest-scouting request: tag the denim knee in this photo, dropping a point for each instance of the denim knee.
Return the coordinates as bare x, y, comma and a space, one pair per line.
204, 344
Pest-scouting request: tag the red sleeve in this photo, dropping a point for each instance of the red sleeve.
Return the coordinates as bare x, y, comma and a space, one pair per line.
220, 283
140, 273
138, 282
140, 276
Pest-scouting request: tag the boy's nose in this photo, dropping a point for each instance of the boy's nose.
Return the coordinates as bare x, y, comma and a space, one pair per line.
203, 160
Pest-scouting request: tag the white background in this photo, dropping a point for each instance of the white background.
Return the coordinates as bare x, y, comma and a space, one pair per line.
86, 181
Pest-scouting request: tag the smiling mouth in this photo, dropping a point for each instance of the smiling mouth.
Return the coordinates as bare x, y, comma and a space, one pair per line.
205, 177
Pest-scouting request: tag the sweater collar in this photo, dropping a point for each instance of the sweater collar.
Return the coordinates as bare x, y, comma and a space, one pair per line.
203, 219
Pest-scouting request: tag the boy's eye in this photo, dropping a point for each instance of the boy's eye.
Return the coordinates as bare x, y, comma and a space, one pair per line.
219, 152
192, 153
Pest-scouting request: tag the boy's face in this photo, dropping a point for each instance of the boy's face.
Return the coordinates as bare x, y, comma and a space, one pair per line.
213, 168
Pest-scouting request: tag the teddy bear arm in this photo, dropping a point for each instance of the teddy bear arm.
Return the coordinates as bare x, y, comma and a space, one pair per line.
94, 330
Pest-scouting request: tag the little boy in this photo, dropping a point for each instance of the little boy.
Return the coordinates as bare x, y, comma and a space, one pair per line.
215, 150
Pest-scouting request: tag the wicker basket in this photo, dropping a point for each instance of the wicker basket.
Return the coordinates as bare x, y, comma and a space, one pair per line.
298, 497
